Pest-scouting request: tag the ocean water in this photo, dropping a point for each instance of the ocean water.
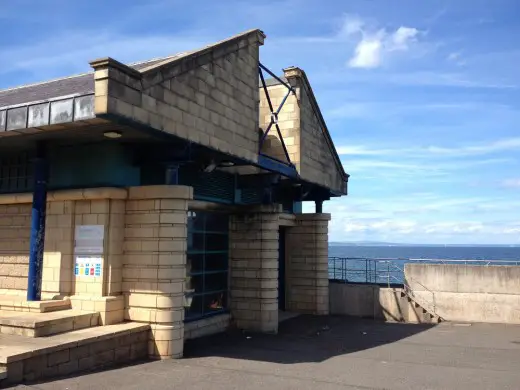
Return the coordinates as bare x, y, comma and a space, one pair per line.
385, 264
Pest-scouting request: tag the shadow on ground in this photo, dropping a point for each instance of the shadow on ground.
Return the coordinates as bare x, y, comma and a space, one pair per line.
304, 339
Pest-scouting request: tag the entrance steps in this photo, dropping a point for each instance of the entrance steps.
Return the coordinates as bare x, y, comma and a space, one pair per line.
26, 359
45, 324
15, 302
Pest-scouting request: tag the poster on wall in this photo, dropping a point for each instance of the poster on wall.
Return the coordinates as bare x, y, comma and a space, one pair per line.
88, 266
89, 239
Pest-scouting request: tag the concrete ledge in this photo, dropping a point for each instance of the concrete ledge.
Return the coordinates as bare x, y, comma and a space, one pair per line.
160, 192
82, 194
287, 220
78, 351
314, 217
206, 326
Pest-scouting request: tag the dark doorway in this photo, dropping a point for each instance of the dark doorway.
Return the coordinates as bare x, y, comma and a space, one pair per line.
281, 269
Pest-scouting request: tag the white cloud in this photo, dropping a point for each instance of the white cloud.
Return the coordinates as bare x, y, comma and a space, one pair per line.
351, 25
403, 38
367, 54
511, 183
375, 44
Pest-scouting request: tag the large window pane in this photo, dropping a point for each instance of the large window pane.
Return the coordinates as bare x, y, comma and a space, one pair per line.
207, 264
195, 242
216, 242
193, 306
217, 222
216, 261
195, 263
216, 281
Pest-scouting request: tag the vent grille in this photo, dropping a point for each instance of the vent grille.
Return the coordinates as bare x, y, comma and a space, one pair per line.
214, 186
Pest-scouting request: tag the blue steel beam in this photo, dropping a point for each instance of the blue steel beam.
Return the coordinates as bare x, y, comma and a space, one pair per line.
39, 205
273, 165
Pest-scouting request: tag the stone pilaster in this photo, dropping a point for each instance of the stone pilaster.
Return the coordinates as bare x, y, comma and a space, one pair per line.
254, 269
307, 268
154, 264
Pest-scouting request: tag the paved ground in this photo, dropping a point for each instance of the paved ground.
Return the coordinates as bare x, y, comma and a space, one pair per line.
331, 353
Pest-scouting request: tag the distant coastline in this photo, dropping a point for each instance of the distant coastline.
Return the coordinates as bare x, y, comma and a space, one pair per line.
377, 243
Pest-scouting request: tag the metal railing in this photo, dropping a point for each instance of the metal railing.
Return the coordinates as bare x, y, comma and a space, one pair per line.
382, 270
390, 272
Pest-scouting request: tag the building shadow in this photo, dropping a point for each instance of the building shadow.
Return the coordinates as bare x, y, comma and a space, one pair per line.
304, 339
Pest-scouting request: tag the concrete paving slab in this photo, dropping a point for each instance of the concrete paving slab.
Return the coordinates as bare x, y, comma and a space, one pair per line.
330, 353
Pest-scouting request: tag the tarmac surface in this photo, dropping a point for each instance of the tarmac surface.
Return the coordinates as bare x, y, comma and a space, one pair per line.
329, 353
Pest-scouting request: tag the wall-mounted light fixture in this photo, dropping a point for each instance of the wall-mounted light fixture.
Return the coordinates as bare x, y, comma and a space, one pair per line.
112, 134
226, 164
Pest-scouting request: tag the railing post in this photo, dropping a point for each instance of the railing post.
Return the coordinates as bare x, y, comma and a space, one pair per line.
366, 270
343, 262
388, 273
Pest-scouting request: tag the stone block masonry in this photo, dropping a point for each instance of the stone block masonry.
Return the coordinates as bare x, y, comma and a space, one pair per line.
86, 350
307, 265
209, 97
65, 211
288, 121
15, 224
154, 264
303, 130
254, 270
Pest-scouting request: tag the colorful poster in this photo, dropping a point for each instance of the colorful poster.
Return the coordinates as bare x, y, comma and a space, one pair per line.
88, 266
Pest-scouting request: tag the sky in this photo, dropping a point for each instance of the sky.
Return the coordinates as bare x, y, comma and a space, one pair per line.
422, 98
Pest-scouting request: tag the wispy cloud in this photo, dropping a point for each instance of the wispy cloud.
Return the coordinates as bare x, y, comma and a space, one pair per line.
501, 145
456, 58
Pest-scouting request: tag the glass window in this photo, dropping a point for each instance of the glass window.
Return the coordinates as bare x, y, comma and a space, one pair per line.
207, 264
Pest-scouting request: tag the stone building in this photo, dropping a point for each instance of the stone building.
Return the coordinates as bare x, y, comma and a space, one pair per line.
168, 193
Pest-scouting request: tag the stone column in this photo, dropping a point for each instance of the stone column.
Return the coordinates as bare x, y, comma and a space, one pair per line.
154, 264
307, 268
254, 269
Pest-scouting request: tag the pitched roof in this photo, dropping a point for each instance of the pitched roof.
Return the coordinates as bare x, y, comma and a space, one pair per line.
73, 85
84, 83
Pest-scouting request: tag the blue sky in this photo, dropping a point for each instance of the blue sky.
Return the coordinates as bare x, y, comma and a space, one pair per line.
422, 98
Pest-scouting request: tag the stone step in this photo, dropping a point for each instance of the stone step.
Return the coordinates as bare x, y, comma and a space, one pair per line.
15, 302
46, 324
32, 359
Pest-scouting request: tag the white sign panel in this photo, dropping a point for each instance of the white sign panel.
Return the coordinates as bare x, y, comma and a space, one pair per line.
90, 232
88, 266
89, 239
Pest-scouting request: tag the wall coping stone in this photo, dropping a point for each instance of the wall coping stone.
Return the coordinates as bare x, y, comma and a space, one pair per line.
314, 217
61, 195
160, 192
104, 63
262, 209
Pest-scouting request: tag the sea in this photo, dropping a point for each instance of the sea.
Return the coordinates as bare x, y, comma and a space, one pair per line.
384, 264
